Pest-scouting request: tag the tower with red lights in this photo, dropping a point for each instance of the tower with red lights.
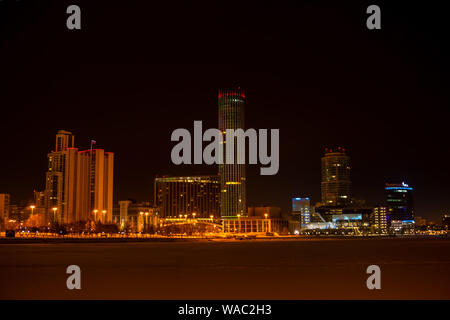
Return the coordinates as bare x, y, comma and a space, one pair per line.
233, 199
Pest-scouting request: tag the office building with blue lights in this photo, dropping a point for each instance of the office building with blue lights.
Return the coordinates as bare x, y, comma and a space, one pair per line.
400, 205
301, 207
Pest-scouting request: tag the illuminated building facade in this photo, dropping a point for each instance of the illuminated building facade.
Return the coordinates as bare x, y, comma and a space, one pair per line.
379, 218
138, 217
233, 199
351, 220
56, 177
446, 221
79, 184
94, 193
18, 212
40, 204
4, 206
302, 208
247, 225
345, 216
336, 184
199, 195
400, 206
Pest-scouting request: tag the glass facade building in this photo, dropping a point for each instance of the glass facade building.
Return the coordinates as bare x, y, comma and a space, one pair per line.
400, 203
232, 179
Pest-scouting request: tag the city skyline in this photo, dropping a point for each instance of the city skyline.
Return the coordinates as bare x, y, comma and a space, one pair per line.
79, 188
66, 145
223, 159
386, 110
336, 182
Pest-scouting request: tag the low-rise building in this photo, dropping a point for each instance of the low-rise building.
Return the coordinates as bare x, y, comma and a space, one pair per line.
138, 216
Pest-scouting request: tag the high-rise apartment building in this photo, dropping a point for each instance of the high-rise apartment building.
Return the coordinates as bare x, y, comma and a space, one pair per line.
233, 199
79, 184
56, 176
4, 206
336, 183
95, 173
199, 195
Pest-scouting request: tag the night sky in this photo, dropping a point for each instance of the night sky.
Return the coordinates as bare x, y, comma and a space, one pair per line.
135, 72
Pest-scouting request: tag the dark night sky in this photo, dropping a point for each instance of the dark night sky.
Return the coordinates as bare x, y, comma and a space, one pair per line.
135, 72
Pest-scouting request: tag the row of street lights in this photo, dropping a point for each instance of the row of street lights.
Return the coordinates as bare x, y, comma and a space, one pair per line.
32, 207
266, 215
193, 216
146, 219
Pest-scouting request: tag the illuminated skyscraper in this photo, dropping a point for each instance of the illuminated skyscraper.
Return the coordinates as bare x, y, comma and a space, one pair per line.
79, 184
58, 177
94, 193
336, 184
400, 203
233, 199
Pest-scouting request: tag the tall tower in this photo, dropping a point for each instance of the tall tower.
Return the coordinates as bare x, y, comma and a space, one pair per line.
233, 198
336, 184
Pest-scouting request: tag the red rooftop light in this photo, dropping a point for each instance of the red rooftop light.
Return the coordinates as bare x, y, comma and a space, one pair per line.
231, 92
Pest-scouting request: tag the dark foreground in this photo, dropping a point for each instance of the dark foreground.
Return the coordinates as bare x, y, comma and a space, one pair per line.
297, 269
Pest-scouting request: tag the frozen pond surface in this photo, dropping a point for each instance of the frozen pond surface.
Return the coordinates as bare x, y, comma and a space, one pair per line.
287, 269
